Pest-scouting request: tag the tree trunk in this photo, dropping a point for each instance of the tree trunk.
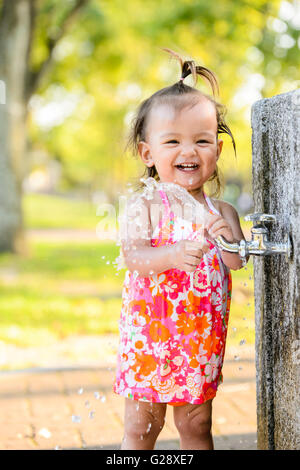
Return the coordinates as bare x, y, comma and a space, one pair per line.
16, 26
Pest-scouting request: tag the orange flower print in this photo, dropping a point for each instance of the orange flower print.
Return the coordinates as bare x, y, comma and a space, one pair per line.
144, 365
193, 362
203, 324
185, 324
212, 343
158, 331
215, 263
139, 309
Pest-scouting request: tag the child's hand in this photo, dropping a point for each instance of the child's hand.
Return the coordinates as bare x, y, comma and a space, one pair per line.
187, 254
217, 225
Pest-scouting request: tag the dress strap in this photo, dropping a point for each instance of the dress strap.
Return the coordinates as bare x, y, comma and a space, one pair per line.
166, 203
164, 200
210, 204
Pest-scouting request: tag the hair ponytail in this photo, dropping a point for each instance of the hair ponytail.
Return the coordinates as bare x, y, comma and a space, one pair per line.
188, 67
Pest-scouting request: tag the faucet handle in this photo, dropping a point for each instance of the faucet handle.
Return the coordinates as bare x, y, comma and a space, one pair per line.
260, 217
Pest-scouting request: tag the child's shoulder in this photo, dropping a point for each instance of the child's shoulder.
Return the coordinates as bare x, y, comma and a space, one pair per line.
224, 207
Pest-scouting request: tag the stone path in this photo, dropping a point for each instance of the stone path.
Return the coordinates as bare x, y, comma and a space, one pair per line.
73, 407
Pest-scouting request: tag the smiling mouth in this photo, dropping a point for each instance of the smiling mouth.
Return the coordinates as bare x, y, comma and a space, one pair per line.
187, 167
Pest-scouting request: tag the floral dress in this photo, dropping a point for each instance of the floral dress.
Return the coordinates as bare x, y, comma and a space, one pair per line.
173, 324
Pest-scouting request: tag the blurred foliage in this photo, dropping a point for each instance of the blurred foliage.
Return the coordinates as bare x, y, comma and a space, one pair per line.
110, 59
51, 211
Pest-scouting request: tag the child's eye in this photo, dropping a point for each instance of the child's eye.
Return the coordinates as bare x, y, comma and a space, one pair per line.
172, 142
205, 141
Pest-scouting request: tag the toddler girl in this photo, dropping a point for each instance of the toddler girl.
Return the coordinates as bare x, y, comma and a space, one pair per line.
177, 288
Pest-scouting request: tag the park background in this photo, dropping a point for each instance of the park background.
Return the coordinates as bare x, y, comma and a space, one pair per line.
72, 75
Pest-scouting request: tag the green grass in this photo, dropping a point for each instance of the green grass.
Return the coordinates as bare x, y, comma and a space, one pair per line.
48, 211
60, 289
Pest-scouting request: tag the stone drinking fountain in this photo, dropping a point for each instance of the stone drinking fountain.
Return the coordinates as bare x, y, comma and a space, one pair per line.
276, 194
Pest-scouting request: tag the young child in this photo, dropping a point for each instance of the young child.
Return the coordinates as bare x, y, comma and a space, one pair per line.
173, 333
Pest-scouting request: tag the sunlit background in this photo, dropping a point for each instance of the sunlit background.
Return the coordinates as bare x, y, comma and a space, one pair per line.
97, 68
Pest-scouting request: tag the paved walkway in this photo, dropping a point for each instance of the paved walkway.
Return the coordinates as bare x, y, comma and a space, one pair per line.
59, 406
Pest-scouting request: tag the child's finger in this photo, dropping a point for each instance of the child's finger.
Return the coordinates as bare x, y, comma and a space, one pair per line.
212, 219
195, 246
194, 260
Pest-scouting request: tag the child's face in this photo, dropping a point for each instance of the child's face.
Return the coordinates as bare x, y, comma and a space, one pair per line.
188, 136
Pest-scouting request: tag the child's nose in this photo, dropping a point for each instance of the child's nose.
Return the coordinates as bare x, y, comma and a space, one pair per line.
188, 150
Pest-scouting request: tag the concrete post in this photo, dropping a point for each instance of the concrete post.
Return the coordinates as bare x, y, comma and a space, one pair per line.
276, 190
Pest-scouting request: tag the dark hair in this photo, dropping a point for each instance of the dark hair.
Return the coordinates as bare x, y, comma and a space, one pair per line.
179, 96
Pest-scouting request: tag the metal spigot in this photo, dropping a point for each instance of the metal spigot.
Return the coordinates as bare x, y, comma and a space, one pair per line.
259, 244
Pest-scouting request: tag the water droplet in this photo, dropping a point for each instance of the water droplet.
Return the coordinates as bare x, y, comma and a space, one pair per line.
57, 448
97, 395
80, 391
44, 432
92, 414
87, 404
243, 341
236, 358
76, 419
103, 399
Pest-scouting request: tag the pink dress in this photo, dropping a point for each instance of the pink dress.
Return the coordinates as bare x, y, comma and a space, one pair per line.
173, 331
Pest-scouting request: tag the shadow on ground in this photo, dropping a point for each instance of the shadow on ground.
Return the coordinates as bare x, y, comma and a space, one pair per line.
230, 442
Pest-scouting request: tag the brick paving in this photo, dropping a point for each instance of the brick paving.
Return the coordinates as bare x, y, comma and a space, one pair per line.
74, 408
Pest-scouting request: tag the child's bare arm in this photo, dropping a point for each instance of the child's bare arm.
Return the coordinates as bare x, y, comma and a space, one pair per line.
228, 225
147, 260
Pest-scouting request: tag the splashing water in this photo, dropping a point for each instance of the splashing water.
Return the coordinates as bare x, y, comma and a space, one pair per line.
76, 419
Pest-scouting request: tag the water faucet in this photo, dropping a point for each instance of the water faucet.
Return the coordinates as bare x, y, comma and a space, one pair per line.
259, 244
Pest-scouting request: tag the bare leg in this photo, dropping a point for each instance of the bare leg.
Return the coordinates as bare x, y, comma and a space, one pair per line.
142, 424
194, 426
